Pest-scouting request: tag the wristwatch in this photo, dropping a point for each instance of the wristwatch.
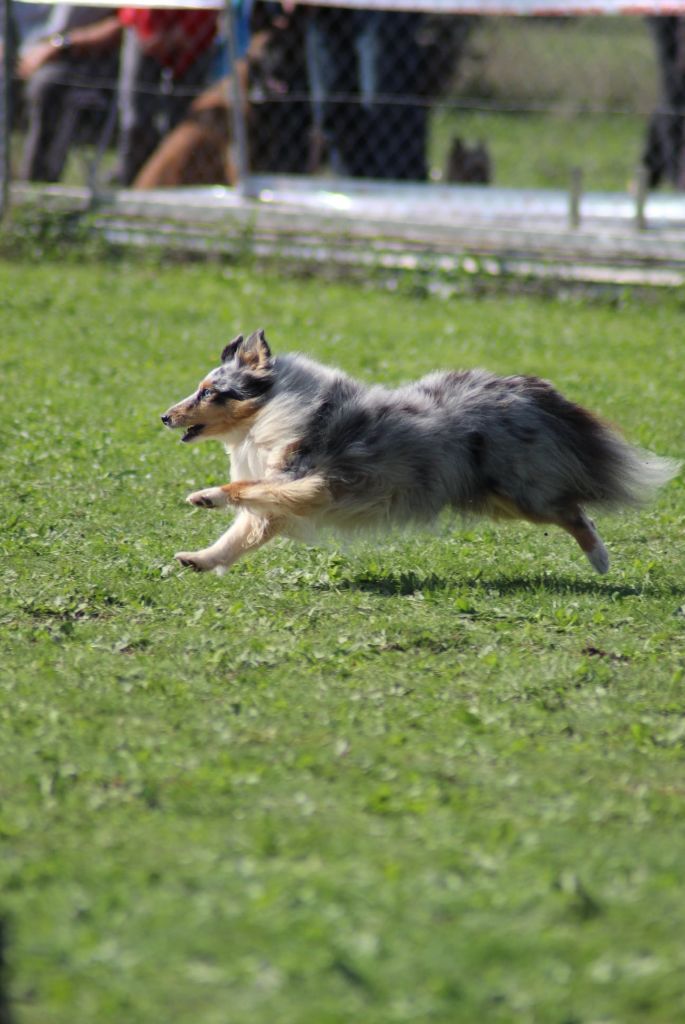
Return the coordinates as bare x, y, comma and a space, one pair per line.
61, 41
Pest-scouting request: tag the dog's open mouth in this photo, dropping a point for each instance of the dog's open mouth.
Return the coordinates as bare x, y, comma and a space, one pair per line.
193, 432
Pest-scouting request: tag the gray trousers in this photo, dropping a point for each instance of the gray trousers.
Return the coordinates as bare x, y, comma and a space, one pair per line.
67, 100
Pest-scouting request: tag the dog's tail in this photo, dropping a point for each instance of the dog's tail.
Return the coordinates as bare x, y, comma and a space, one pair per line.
628, 476
592, 463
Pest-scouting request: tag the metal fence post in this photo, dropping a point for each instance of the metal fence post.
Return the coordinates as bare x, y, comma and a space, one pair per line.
641, 191
575, 196
6, 55
237, 97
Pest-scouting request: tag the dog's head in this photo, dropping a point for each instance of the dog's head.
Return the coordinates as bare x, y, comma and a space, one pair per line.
230, 396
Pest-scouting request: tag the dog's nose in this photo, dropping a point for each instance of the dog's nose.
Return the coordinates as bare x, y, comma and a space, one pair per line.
166, 419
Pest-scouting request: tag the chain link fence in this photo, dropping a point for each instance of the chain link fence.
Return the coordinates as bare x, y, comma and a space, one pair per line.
148, 98
154, 99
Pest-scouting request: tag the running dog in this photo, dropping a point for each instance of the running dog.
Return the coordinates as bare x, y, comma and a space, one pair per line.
311, 449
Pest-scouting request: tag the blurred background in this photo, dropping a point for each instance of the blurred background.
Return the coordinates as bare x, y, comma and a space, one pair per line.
157, 98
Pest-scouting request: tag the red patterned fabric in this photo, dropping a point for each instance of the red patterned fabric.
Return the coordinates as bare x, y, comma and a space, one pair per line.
175, 38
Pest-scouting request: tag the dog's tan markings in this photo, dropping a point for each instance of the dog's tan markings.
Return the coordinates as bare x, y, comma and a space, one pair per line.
290, 455
585, 534
281, 499
573, 521
293, 498
202, 500
582, 533
250, 359
178, 412
234, 491
500, 507
242, 411
218, 420
255, 353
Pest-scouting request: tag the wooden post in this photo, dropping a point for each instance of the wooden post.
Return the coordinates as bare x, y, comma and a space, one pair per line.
574, 197
641, 192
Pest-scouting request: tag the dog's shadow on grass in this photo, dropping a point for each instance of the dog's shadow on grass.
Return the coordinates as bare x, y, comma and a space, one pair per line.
573, 585
389, 584
407, 583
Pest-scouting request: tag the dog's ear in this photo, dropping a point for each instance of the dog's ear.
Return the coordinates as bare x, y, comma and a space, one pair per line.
231, 349
255, 353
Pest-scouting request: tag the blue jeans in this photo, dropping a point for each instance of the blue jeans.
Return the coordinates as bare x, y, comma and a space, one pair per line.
363, 69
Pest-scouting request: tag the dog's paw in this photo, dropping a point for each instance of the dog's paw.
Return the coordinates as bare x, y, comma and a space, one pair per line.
193, 560
211, 497
599, 558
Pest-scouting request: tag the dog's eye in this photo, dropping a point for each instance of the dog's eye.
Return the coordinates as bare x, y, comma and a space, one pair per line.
205, 393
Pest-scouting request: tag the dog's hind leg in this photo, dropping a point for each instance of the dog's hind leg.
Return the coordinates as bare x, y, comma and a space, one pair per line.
246, 533
573, 520
300, 497
584, 532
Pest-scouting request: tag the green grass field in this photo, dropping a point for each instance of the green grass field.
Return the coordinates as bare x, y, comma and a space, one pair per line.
550, 95
541, 150
435, 779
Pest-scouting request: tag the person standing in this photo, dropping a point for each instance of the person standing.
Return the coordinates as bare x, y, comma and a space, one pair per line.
364, 77
54, 70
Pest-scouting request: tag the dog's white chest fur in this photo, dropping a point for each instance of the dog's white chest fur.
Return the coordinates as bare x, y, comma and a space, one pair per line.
248, 462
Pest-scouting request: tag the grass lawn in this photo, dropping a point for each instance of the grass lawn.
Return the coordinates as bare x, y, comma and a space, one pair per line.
438, 779
548, 95
540, 150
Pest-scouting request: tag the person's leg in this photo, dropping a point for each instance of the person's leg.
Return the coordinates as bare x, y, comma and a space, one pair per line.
334, 86
398, 118
46, 97
663, 153
370, 68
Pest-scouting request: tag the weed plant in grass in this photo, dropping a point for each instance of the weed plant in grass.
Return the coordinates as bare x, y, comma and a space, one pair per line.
438, 778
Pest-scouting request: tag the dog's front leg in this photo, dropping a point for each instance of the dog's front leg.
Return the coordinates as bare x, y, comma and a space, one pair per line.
210, 497
273, 498
247, 533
